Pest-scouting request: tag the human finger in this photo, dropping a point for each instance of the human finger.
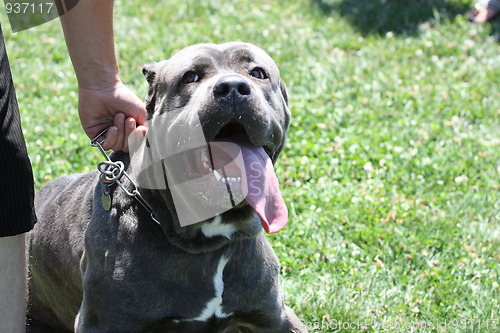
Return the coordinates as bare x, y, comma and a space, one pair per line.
111, 136
130, 126
119, 122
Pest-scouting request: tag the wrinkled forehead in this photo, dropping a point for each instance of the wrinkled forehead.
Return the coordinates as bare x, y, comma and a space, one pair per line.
224, 56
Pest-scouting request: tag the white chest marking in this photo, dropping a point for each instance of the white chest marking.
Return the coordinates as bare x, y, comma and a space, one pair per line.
215, 228
214, 306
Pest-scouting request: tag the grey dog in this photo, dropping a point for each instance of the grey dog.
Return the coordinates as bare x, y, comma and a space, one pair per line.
102, 261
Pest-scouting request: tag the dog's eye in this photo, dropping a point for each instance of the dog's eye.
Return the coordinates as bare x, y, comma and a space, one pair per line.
258, 73
191, 77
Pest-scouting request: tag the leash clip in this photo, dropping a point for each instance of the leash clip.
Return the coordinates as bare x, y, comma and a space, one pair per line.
112, 172
98, 144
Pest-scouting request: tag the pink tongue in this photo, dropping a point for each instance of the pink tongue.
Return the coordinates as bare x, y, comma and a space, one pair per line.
263, 188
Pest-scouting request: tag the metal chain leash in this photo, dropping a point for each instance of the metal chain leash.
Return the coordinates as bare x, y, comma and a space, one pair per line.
112, 172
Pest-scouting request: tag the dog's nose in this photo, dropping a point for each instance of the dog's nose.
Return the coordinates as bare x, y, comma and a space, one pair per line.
232, 89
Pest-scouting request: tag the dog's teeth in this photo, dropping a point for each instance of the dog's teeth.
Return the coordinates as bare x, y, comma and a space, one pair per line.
206, 164
204, 156
219, 178
210, 169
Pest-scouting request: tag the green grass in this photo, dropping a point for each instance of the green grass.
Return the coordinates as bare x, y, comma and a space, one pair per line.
391, 169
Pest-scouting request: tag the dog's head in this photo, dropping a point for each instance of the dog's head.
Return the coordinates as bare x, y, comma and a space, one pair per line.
218, 115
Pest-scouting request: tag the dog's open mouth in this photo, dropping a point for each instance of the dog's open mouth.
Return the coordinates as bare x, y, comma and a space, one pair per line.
231, 172
206, 180
234, 129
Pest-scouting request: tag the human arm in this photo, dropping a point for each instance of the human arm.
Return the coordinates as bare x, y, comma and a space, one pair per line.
13, 283
103, 99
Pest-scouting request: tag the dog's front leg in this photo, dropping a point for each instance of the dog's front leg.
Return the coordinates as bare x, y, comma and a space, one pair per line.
102, 312
79, 321
87, 320
101, 303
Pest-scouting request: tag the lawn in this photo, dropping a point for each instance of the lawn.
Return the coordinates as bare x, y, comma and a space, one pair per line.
391, 169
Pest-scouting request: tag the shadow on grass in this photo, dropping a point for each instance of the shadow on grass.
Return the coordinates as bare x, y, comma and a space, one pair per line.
397, 16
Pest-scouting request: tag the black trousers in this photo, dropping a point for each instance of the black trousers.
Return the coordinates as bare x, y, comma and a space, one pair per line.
17, 214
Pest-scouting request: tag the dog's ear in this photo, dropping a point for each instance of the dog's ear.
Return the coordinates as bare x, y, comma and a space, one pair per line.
284, 92
285, 120
150, 72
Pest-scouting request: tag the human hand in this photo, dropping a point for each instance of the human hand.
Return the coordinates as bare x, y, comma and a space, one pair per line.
115, 106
